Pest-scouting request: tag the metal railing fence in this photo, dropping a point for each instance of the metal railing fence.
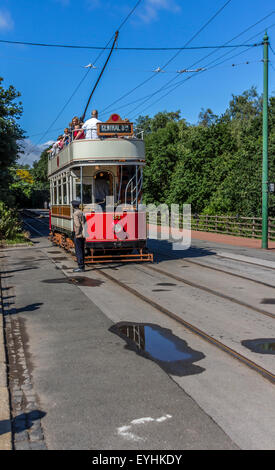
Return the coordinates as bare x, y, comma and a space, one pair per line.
250, 227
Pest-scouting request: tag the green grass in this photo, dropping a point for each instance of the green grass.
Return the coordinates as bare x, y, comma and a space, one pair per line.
18, 239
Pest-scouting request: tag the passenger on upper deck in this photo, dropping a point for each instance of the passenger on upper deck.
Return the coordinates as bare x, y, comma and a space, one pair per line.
56, 147
66, 136
60, 143
91, 126
78, 133
74, 122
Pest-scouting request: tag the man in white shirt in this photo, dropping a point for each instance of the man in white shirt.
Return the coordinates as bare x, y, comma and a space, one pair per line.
91, 126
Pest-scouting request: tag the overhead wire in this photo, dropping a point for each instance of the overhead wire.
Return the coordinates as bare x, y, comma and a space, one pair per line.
178, 51
188, 78
86, 74
170, 60
204, 67
195, 63
119, 48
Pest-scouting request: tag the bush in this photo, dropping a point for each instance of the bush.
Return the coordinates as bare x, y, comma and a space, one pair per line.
10, 227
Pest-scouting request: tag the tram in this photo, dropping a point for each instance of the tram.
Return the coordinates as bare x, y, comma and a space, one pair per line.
105, 175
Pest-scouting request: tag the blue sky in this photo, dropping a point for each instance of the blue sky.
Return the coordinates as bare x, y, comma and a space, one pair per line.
47, 77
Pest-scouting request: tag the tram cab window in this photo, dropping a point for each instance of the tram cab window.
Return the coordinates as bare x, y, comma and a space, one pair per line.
103, 186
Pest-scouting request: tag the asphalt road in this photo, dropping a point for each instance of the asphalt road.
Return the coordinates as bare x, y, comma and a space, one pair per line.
97, 393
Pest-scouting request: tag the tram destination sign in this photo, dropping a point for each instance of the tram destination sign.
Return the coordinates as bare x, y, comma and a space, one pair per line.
115, 126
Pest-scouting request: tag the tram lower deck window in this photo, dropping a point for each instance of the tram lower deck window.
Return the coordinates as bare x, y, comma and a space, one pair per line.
87, 192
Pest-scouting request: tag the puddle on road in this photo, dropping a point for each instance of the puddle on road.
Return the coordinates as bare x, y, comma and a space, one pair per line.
59, 258
165, 284
268, 301
54, 252
160, 345
260, 345
79, 281
161, 290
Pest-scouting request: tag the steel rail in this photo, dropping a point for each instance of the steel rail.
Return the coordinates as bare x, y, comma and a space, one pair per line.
210, 291
247, 262
203, 335
221, 270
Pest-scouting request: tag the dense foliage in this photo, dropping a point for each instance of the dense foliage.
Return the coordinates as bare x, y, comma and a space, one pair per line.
10, 135
10, 226
215, 165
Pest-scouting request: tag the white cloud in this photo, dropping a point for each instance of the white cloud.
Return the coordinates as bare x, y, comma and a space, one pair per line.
151, 8
31, 152
6, 21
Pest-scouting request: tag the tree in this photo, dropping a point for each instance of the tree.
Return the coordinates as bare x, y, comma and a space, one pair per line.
161, 155
207, 117
215, 165
161, 119
40, 171
143, 124
10, 134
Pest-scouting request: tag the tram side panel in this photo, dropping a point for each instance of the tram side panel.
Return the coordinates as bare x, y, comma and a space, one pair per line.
115, 227
107, 228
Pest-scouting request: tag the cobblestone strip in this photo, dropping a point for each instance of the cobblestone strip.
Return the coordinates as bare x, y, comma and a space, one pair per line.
5, 418
27, 431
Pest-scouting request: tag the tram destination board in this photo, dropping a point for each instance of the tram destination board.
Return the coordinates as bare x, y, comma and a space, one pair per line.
110, 129
115, 126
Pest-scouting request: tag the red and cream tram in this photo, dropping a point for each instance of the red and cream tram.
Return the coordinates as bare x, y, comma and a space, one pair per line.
105, 176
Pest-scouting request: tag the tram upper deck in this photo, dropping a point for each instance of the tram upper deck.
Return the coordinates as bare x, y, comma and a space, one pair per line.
98, 151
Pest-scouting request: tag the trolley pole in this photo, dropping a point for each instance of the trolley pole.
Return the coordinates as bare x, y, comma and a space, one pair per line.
265, 149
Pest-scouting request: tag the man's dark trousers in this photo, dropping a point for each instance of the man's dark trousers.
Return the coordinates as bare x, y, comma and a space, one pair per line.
79, 244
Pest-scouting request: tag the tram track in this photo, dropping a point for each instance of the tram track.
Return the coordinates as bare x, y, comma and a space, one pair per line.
208, 290
213, 268
189, 326
195, 263
246, 262
204, 288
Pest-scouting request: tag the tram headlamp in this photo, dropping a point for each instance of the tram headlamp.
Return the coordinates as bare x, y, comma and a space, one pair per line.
118, 228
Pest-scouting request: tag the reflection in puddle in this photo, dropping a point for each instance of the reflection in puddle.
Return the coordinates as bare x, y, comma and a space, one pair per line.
260, 345
159, 344
79, 281
59, 258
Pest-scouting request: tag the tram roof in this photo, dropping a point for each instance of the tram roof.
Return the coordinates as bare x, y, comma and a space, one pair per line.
114, 151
